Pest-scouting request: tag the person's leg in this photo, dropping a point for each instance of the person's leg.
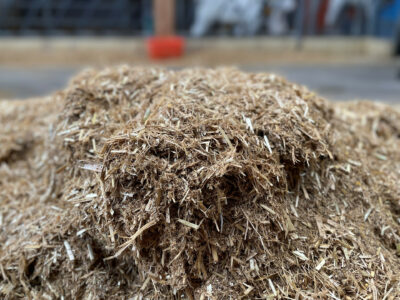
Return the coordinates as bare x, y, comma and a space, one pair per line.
397, 42
396, 49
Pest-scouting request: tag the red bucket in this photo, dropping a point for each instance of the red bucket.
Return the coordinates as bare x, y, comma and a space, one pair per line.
165, 47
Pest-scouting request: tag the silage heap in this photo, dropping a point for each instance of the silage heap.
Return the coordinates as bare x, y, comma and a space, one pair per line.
203, 183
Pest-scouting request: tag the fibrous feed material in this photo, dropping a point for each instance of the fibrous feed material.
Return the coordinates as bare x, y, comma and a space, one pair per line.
141, 183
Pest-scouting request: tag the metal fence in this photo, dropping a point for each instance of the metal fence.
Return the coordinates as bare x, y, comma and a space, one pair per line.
72, 16
49, 17
134, 17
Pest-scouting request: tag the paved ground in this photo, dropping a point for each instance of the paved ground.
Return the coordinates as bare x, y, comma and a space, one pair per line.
20, 83
379, 82
374, 81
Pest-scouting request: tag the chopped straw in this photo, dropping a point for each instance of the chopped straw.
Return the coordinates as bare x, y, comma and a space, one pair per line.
222, 185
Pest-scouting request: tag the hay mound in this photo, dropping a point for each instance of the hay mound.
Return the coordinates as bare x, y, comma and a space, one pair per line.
202, 183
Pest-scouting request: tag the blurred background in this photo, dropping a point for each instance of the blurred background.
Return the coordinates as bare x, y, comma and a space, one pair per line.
342, 49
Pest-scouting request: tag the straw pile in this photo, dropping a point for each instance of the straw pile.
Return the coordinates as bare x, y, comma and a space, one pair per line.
198, 184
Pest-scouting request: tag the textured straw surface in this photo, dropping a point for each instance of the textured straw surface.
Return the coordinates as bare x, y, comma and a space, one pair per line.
198, 184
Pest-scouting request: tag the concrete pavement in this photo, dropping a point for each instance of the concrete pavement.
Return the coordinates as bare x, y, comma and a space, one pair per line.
374, 81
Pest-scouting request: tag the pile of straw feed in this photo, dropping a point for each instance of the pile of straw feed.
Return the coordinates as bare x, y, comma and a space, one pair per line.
140, 183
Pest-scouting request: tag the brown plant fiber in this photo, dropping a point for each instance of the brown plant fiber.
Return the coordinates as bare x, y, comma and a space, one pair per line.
141, 183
